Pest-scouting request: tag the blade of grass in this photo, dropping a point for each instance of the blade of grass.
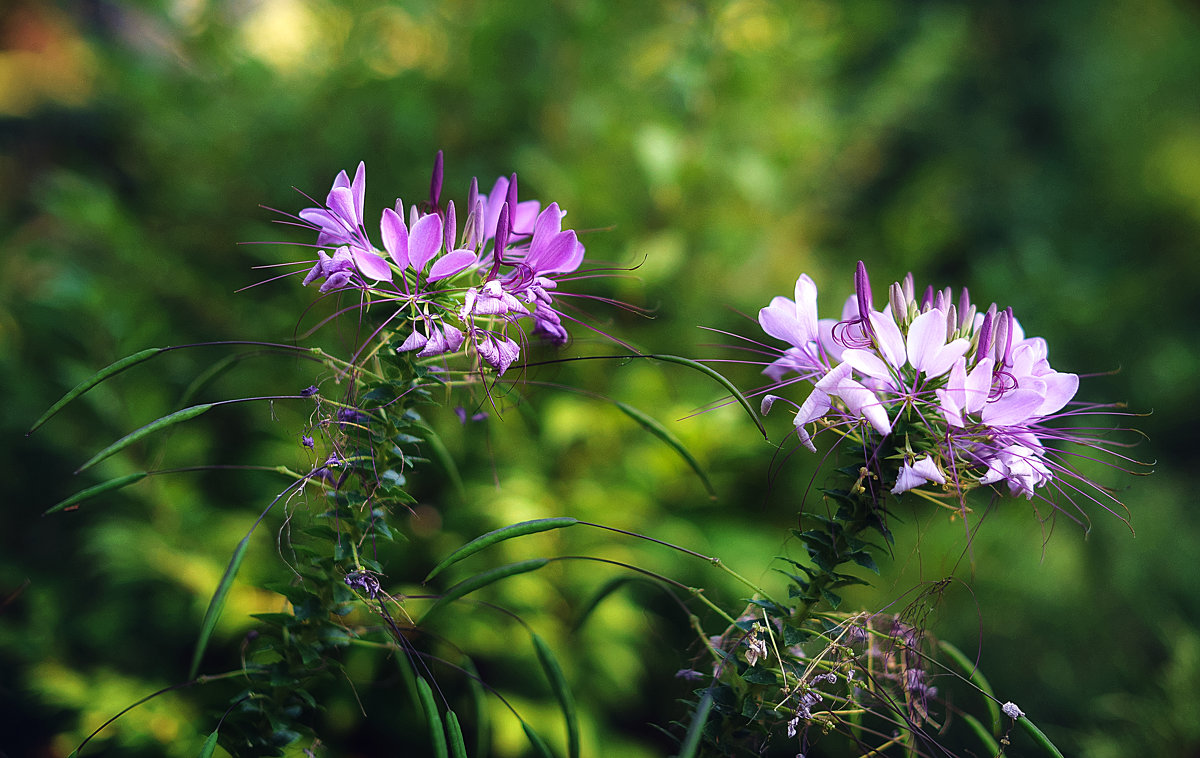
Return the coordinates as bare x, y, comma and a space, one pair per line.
217, 603
733, 391
558, 685
154, 426
978, 679
499, 535
539, 745
108, 371
691, 741
990, 746
656, 428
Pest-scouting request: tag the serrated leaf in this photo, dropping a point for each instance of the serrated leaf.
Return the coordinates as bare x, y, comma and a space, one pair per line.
108, 371
760, 675
864, 559
169, 420
832, 598
479, 581
99, 489
499, 535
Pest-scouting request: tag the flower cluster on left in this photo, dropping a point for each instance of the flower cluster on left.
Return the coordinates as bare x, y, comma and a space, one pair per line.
480, 293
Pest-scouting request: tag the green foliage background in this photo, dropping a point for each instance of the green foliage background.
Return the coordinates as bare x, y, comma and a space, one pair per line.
1047, 155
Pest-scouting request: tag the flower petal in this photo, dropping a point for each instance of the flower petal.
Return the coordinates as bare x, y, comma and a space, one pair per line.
371, 265
450, 264
395, 237
424, 240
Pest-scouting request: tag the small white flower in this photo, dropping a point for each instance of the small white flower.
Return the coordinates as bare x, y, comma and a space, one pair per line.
1011, 710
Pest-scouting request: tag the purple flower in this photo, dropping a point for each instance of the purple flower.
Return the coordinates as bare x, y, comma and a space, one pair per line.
973, 391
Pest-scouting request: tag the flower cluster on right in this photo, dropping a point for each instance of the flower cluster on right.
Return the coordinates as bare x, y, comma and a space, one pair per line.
969, 392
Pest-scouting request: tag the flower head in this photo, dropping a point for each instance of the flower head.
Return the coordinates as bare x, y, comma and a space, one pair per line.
950, 396
472, 294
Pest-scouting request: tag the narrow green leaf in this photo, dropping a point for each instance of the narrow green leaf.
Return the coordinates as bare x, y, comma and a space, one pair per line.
168, 420
539, 745
499, 535
1039, 737
467, 586
110, 370
482, 716
611, 586
977, 678
99, 489
438, 448
656, 428
436, 733
691, 741
217, 603
210, 745
458, 746
558, 685
737, 395
990, 746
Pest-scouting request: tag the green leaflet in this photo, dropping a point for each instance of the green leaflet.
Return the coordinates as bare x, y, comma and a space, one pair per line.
168, 420
653, 426
467, 586
110, 370
436, 733
499, 535
558, 684
99, 489
217, 603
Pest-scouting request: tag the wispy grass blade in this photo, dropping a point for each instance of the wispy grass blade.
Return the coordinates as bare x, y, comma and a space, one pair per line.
691, 741
733, 390
990, 746
539, 745
467, 586
978, 679
611, 586
217, 603
108, 371
169, 420
499, 535
656, 428
437, 733
558, 685
99, 489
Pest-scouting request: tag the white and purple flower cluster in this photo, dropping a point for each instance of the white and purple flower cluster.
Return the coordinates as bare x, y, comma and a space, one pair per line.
968, 390
469, 293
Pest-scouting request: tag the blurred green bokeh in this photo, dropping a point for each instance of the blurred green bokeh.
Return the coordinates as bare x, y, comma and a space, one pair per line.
1047, 155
